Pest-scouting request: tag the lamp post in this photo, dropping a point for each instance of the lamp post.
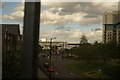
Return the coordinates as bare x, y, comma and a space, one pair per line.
51, 48
51, 52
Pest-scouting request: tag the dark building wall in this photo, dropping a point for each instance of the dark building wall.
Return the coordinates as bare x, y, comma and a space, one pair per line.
11, 38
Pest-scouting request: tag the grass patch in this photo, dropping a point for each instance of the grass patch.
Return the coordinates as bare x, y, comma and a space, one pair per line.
112, 69
87, 70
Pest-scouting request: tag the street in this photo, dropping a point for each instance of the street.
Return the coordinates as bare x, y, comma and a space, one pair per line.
60, 71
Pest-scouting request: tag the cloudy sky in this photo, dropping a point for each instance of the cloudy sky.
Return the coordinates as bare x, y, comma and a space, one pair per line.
64, 20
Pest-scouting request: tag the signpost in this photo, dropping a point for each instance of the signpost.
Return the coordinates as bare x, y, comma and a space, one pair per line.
100, 70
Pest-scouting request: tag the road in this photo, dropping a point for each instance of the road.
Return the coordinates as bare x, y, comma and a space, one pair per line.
61, 72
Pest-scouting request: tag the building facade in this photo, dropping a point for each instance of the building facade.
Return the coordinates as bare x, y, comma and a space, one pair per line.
11, 38
111, 27
72, 45
60, 45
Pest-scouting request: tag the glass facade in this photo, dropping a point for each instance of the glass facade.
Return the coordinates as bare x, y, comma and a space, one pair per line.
109, 27
118, 26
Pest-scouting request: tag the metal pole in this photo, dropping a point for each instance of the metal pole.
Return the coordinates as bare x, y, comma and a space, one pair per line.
50, 50
50, 56
30, 40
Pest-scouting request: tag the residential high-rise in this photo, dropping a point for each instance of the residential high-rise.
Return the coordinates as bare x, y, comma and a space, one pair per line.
111, 27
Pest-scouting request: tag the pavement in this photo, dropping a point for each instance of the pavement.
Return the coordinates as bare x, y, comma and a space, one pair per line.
41, 74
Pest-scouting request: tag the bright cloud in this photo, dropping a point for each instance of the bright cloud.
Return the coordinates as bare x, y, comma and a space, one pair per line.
48, 18
19, 7
72, 36
16, 16
59, 14
68, 12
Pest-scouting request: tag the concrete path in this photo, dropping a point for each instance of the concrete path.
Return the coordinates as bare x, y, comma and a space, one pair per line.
42, 75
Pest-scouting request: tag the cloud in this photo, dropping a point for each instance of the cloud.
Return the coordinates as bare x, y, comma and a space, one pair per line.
20, 7
59, 4
1, 4
59, 14
94, 35
86, 13
71, 36
63, 28
16, 16
62, 35
97, 29
48, 18
87, 7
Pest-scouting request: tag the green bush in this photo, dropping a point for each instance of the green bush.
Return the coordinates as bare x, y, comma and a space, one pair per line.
112, 69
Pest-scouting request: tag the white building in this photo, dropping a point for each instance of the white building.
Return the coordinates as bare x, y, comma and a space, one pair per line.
60, 45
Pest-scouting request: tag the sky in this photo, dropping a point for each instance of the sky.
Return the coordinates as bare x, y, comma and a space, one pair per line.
66, 21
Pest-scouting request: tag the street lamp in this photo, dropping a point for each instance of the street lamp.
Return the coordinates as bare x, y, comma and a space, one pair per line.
51, 48
51, 52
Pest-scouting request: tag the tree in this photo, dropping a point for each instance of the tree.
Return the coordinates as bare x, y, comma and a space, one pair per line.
96, 42
83, 39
